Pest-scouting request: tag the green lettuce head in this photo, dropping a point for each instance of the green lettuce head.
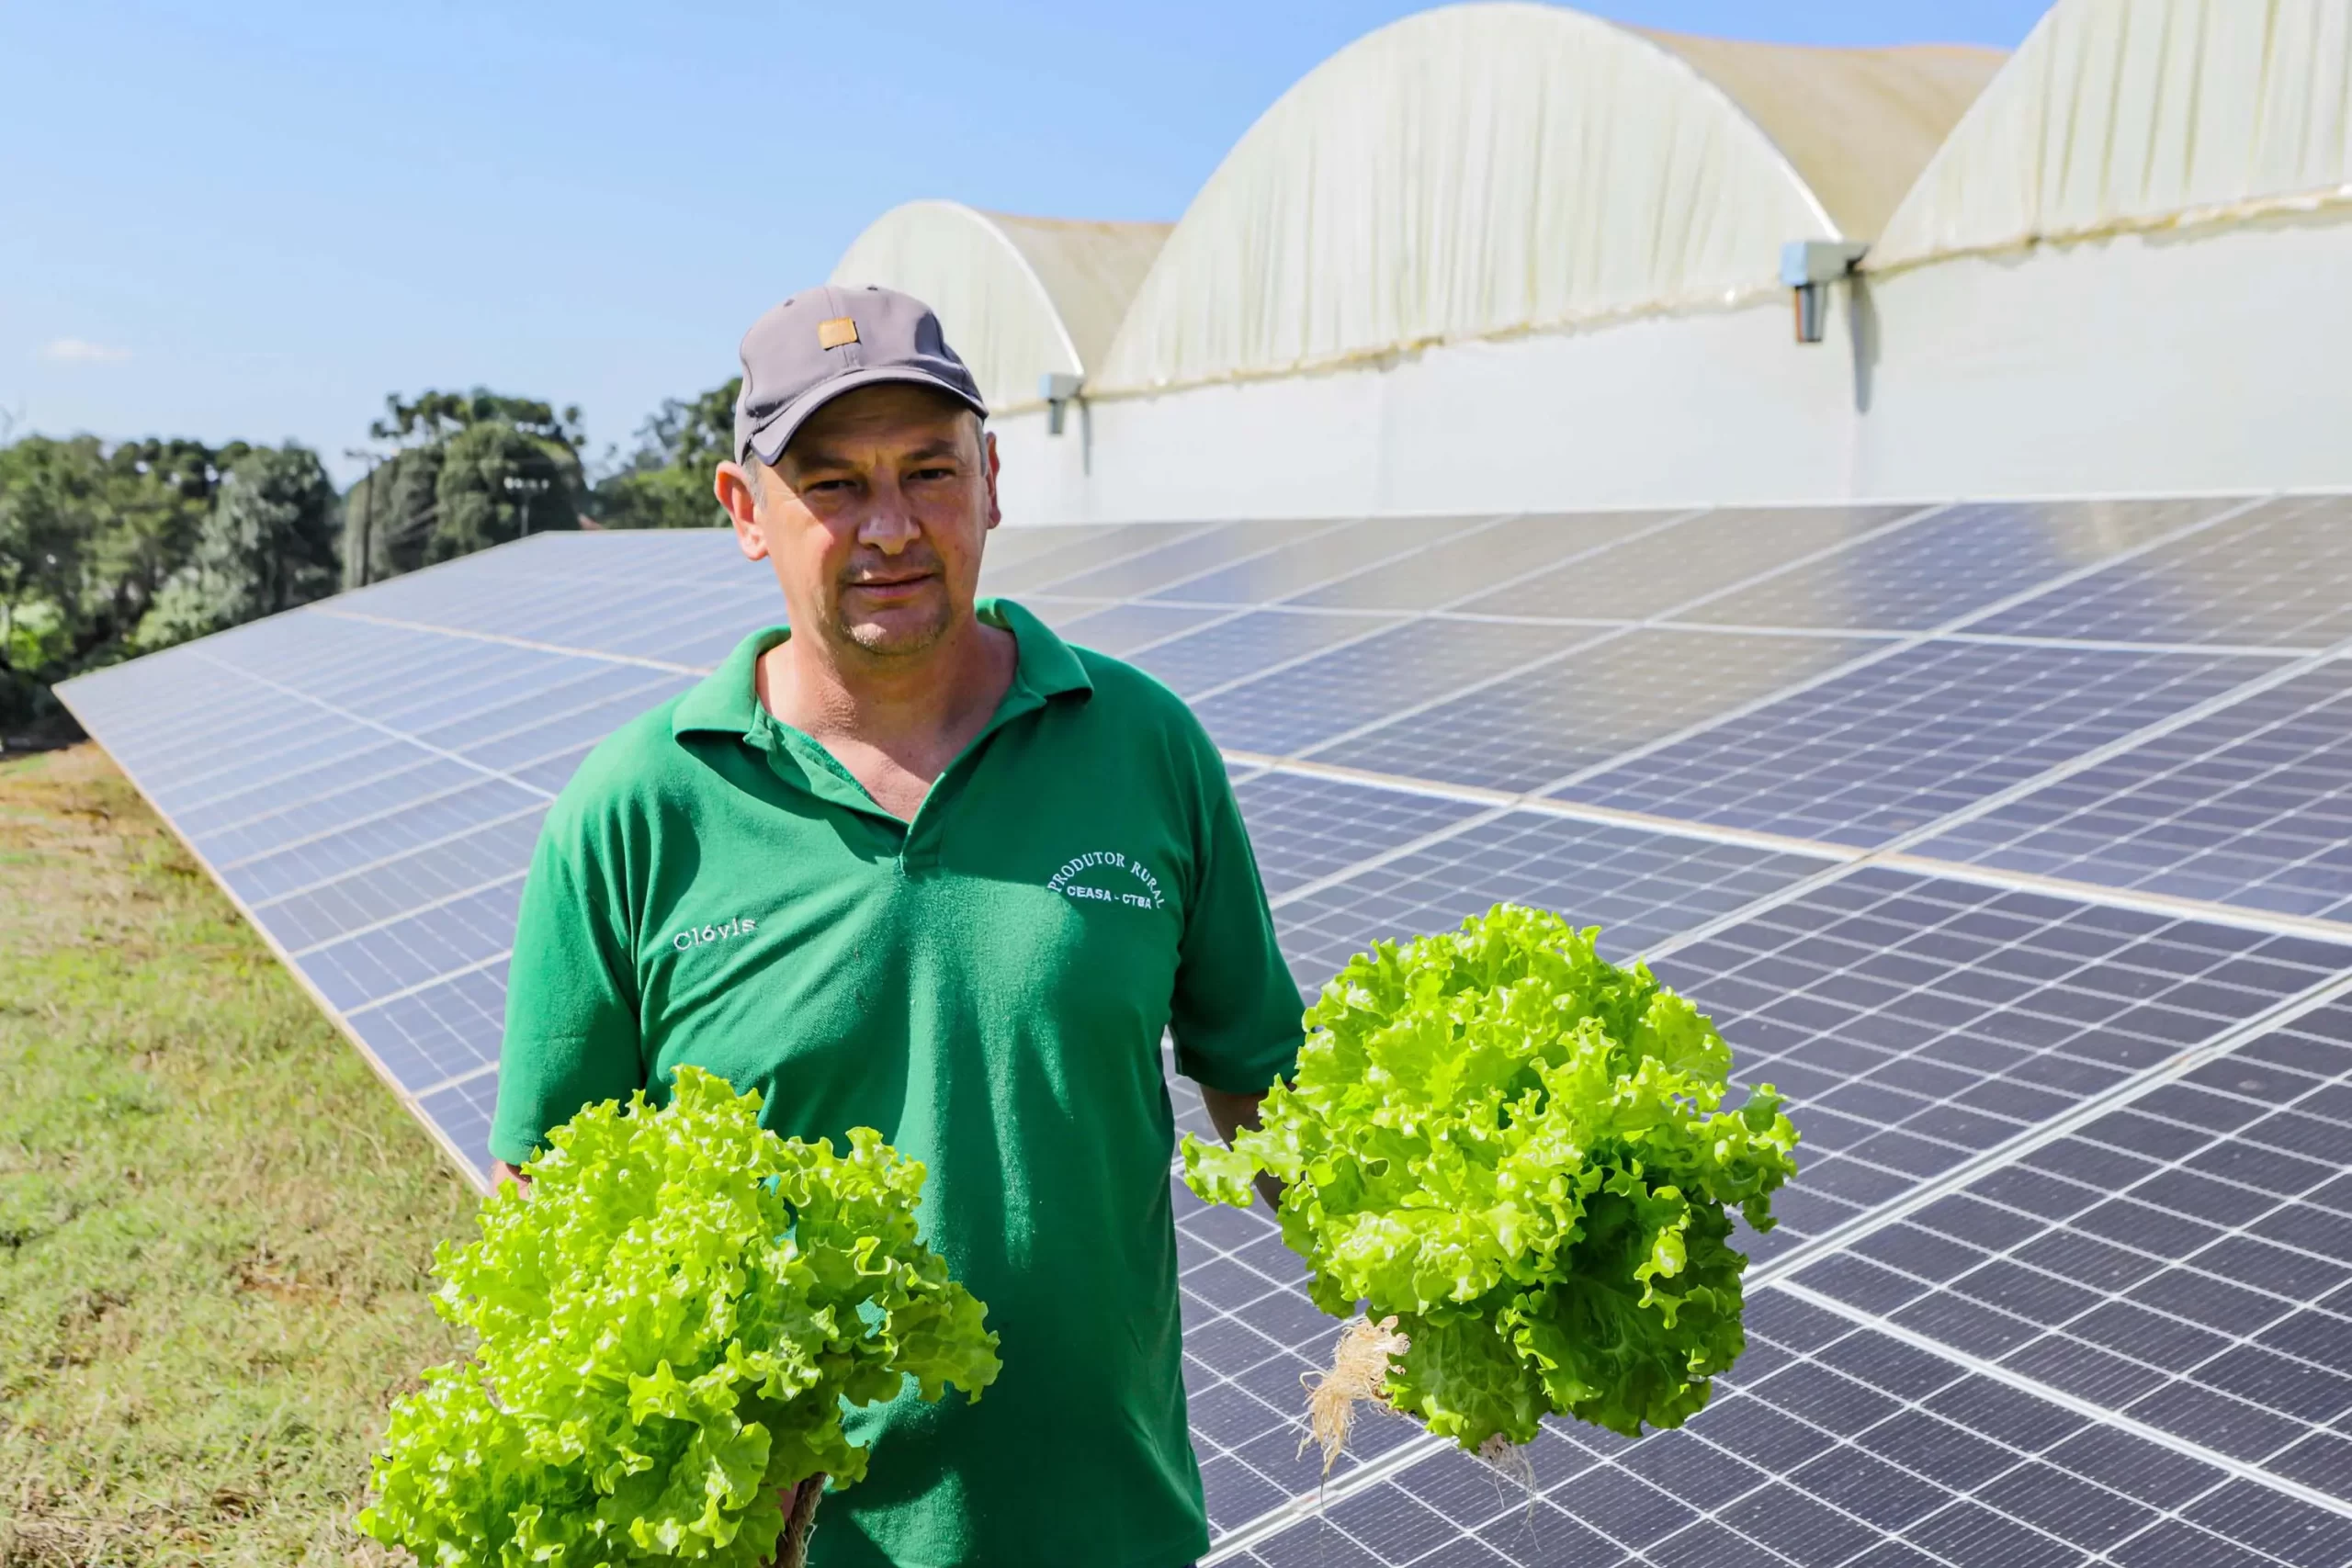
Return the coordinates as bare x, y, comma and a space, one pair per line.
1520, 1151
669, 1326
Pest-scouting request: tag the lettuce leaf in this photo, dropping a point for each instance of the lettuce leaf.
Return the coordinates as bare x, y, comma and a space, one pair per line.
1521, 1152
669, 1326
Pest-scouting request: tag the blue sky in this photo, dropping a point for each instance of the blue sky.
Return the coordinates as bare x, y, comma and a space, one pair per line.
254, 219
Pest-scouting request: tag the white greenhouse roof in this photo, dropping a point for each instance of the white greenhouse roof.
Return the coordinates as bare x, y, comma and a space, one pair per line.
2124, 115
1018, 297
1487, 169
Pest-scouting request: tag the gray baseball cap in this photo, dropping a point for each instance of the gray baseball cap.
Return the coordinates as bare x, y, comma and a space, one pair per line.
824, 342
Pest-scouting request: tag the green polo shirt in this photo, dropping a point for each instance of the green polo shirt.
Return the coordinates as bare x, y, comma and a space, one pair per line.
988, 985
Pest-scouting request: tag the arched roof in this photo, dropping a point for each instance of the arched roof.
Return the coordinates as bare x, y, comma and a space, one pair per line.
2120, 115
1018, 297
1492, 168
1859, 124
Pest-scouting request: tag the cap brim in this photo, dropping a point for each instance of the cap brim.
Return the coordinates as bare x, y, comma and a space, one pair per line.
774, 435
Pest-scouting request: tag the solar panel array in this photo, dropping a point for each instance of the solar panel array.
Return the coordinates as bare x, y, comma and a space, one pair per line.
2013, 839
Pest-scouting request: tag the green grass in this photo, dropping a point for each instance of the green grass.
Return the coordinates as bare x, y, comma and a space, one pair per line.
215, 1223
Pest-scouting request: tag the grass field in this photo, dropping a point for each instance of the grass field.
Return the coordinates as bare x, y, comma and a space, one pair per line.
215, 1223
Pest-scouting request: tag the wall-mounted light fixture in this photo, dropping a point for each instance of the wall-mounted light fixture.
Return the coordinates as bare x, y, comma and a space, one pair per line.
1057, 388
1808, 267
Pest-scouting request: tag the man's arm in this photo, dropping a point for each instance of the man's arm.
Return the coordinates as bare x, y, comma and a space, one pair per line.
1232, 1113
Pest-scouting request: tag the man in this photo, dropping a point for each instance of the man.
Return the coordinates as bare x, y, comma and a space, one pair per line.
920, 866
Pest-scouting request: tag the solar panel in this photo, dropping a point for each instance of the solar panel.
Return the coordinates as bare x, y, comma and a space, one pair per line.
1834, 1442
1699, 556
1305, 828
1197, 555
2251, 806
1471, 563
2009, 840
1250, 645
1919, 1022
2173, 1261
1307, 562
2279, 575
1906, 740
1601, 697
1640, 885
1952, 561
1365, 683
1120, 629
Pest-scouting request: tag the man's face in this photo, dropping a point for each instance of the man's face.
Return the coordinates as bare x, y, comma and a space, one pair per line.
874, 517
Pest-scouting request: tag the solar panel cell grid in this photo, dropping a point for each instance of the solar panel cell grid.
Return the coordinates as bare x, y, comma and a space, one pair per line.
1358, 685
2174, 1260
1831, 1444
1183, 561
1312, 561
1955, 560
653, 624
1250, 646
555, 772
415, 950
1640, 886
310, 862
1249, 1334
1304, 827
1905, 740
1120, 629
1651, 572
1916, 1022
1099, 548
2279, 575
2251, 806
401, 884
1613, 692
425, 1038
300, 819
461, 1111
591, 688
1475, 562
563, 732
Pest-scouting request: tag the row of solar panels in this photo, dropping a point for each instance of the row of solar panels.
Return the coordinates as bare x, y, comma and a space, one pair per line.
1822, 765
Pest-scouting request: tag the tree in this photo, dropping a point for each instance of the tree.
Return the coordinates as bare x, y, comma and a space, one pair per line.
267, 544
666, 483
90, 537
433, 417
148, 503
389, 517
476, 504
40, 542
445, 492
94, 534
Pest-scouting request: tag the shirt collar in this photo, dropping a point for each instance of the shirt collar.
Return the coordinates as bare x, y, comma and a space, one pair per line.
727, 701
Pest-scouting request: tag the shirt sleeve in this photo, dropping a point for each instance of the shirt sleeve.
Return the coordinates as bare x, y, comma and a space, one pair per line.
1236, 1010
572, 1019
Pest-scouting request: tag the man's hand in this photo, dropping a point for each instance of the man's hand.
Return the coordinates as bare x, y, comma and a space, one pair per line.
501, 1173
1231, 1113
